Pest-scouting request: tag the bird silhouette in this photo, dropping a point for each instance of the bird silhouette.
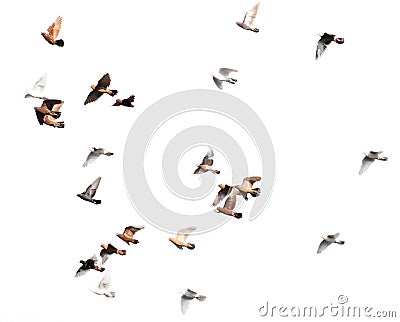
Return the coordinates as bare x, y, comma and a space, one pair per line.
125, 102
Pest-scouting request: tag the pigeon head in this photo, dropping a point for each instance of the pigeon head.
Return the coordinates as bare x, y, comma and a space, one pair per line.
59, 43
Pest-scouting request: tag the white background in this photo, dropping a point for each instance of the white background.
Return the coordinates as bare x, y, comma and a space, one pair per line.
321, 115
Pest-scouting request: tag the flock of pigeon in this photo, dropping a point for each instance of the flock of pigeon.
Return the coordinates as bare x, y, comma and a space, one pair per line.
49, 112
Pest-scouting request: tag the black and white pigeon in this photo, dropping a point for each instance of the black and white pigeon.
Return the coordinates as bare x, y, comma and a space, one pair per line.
187, 297
94, 154
90, 191
369, 159
324, 41
87, 265
223, 76
329, 239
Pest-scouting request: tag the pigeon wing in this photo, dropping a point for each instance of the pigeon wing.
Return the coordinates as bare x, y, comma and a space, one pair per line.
105, 281
55, 28
222, 194
230, 202
93, 96
92, 156
366, 162
218, 83
322, 246
91, 190
321, 47
208, 159
104, 82
226, 71
249, 181
251, 15
40, 117
184, 233
131, 230
185, 302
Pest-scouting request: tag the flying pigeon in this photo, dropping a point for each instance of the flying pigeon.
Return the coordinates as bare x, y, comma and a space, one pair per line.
329, 240
187, 297
94, 154
52, 33
125, 102
90, 191
104, 285
180, 239
222, 193
223, 76
248, 20
38, 88
324, 41
48, 112
127, 235
370, 158
247, 187
91, 263
206, 164
99, 89
108, 250
230, 204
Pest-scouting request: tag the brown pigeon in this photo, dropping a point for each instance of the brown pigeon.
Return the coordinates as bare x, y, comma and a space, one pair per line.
127, 235
108, 250
125, 102
248, 20
230, 204
206, 164
247, 187
52, 33
180, 239
99, 89
48, 112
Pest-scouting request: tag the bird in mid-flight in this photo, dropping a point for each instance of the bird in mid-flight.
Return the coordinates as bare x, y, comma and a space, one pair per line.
108, 250
48, 112
324, 41
94, 154
90, 191
206, 164
127, 235
187, 297
223, 76
104, 285
91, 263
125, 102
248, 20
180, 239
247, 187
52, 33
369, 159
329, 240
229, 206
99, 89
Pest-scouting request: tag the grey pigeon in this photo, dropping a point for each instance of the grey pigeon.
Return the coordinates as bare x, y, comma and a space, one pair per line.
187, 297
329, 240
369, 159
223, 76
94, 154
324, 41
90, 191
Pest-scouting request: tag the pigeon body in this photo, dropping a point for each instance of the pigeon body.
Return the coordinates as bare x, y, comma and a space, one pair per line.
90, 191
247, 187
187, 297
37, 90
125, 102
108, 250
127, 235
180, 239
248, 20
52, 33
205, 166
91, 263
104, 285
223, 76
49, 111
99, 89
369, 159
329, 239
94, 154
229, 206
324, 41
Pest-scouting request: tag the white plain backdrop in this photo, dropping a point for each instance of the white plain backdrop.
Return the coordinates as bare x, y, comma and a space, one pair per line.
321, 116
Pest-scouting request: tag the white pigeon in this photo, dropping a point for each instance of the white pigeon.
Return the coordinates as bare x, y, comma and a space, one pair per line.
104, 285
187, 297
37, 89
369, 159
329, 239
223, 76
94, 154
248, 19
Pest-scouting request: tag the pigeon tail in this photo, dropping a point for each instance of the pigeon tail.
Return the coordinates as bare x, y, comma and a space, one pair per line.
201, 298
237, 215
96, 201
257, 193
